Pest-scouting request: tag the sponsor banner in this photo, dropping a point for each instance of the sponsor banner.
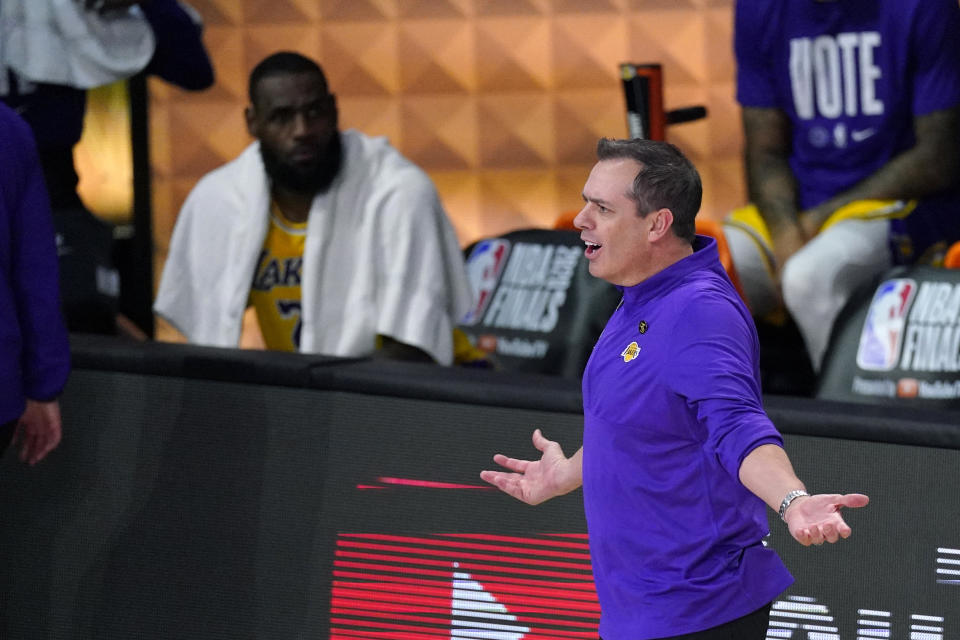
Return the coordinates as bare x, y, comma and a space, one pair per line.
538, 308
513, 347
884, 327
912, 328
906, 388
907, 338
533, 288
484, 265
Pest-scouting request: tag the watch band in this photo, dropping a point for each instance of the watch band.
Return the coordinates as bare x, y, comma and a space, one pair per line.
787, 499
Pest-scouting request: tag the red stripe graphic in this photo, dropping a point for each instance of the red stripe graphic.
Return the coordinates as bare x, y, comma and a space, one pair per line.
362, 578
443, 590
465, 565
364, 605
462, 587
432, 597
473, 556
427, 573
477, 545
351, 634
423, 484
552, 543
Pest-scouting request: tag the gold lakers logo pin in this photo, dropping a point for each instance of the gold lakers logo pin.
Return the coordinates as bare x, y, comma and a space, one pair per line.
630, 352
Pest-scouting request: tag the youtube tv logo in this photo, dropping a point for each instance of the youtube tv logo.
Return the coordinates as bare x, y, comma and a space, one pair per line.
456, 585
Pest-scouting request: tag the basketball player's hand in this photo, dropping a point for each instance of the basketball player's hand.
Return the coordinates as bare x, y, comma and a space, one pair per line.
816, 519
787, 240
38, 430
535, 481
812, 220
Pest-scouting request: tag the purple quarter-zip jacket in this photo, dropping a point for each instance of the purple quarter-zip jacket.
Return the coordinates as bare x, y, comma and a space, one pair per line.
34, 348
672, 406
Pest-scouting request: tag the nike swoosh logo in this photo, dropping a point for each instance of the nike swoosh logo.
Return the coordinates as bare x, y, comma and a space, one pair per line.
859, 135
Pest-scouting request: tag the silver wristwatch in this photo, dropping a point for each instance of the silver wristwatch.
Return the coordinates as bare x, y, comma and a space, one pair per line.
787, 499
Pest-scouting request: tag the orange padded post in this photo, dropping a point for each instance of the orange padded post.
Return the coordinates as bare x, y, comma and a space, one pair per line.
952, 259
565, 221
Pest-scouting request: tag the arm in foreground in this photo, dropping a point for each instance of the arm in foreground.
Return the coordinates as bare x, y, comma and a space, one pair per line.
536, 481
767, 472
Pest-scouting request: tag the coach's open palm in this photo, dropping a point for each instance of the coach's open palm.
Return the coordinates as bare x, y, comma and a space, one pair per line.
816, 519
535, 481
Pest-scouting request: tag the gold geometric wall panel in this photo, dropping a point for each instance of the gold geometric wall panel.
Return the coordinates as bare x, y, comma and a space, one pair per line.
500, 101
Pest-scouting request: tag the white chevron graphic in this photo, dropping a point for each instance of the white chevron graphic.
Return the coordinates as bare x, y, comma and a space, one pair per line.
476, 613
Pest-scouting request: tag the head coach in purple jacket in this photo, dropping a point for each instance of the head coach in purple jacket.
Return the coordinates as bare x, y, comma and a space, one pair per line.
34, 350
678, 455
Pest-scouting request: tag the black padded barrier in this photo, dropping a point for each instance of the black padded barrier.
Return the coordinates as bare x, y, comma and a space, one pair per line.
208, 493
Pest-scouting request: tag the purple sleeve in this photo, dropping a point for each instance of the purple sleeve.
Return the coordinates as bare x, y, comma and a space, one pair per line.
755, 84
45, 355
180, 57
936, 51
714, 368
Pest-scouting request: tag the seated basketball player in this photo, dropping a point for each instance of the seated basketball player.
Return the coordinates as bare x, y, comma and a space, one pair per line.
851, 113
338, 243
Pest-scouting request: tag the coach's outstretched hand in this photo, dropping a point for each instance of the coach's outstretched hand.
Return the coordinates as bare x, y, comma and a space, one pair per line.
535, 481
816, 519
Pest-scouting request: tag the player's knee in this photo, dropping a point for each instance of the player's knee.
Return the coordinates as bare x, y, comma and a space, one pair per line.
800, 285
751, 262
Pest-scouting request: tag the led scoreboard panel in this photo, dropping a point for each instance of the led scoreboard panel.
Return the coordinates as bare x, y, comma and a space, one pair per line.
191, 499
471, 561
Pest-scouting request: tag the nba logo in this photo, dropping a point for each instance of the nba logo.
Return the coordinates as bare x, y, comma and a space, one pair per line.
484, 266
884, 326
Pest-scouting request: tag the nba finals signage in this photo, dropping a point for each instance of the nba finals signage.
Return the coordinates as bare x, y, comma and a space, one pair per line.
537, 307
902, 345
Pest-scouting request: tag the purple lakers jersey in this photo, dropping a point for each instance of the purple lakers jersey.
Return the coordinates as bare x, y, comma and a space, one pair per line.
851, 75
